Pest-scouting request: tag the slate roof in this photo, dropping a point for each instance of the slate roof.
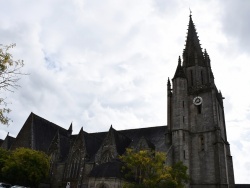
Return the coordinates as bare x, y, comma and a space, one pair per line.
63, 145
121, 141
92, 144
108, 170
154, 135
37, 133
44, 131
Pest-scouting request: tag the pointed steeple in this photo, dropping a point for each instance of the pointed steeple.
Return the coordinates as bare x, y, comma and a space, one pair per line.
70, 130
192, 54
169, 87
179, 73
81, 130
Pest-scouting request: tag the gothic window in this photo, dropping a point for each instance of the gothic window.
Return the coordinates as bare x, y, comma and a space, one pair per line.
202, 78
106, 156
74, 165
199, 108
184, 154
183, 104
52, 162
202, 144
191, 76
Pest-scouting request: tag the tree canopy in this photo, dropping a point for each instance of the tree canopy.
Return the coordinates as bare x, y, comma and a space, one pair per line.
4, 154
25, 166
147, 169
9, 76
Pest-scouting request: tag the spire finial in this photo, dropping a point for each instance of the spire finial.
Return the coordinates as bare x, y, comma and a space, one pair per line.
190, 12
179, 60
168, 84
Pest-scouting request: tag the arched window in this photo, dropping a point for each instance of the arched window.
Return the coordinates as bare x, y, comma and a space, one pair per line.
52, 161
74, 165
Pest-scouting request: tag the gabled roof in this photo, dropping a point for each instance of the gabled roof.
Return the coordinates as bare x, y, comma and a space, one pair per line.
121, 141
61, 144
92, 144
37, 133
144, 143
155, 135
7, 142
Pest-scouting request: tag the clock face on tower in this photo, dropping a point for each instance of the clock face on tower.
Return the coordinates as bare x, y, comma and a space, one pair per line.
197, 101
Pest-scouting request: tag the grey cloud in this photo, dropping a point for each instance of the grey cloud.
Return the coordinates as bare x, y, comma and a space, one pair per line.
235, 21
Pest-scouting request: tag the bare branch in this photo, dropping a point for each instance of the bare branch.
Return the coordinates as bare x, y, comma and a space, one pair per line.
10, 73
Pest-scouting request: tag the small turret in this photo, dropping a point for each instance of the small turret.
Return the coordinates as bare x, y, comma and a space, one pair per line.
70, 130
179, 73
169, 88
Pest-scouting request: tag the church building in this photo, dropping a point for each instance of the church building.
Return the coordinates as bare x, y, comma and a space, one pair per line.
195, 134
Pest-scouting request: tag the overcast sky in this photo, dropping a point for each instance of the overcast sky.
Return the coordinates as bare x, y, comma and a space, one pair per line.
102, 62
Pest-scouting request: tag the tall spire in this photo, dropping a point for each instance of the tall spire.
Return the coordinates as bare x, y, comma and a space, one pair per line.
192, 54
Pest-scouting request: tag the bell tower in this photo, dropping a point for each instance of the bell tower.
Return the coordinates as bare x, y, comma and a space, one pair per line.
196, 120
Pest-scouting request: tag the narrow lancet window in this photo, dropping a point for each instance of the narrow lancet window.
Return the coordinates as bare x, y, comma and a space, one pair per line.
219, 112
199, 108
202, 81
202, 142
192, 79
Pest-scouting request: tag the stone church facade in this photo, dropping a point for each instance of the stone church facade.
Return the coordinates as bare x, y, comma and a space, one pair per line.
195, 134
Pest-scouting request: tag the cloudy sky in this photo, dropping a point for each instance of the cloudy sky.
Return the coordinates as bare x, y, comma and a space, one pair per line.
102, 62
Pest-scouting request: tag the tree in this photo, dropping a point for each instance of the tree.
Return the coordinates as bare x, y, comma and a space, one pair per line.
4, 154
147, 169
26, 167
9, 76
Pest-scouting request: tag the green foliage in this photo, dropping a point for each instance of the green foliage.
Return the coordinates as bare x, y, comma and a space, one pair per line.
147, 169
179, 174
9, 76
4, 154
26, 167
